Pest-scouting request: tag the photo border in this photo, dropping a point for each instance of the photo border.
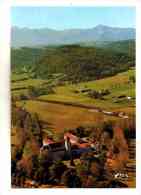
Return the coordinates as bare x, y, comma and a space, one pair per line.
5, 21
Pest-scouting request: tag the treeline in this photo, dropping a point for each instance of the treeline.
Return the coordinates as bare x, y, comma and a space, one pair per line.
127, 46
77, 63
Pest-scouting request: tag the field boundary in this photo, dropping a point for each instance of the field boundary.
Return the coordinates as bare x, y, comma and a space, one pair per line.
95, 108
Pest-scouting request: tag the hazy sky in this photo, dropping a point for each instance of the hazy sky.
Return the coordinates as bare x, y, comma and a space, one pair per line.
72, 17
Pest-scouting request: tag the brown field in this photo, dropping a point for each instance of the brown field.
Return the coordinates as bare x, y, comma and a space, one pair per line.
60, 117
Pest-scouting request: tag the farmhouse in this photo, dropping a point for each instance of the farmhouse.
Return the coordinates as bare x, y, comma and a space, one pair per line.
47, 141
71, 147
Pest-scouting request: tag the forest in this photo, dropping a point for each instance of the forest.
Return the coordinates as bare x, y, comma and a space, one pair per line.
75, 62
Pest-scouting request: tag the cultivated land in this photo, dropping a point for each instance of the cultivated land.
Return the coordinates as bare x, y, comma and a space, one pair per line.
118, 85
60, 117
57, 115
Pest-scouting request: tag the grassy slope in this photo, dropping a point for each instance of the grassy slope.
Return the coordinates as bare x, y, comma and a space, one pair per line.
118, 85
62, 116
24, 81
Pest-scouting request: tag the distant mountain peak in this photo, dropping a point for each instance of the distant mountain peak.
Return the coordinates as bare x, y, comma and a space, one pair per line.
46, 36
102, 26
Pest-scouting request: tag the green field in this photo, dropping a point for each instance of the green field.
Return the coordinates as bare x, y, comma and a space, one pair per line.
118, 85
61, 116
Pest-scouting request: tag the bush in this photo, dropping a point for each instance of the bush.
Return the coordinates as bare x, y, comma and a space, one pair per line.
38, 91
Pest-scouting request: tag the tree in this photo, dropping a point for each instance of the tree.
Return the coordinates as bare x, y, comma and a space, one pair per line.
42, 173
71, 179
56, 170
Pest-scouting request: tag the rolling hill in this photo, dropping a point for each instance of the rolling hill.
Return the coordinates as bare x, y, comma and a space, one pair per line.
75, 62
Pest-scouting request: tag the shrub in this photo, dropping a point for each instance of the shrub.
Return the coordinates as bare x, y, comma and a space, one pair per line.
38, 91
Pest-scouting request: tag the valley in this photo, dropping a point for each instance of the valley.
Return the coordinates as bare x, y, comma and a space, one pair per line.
73, 90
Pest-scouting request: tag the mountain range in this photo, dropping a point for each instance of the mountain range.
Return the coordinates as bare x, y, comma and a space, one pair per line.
27, 37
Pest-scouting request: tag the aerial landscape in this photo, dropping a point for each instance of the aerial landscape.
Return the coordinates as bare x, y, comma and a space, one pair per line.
73, 97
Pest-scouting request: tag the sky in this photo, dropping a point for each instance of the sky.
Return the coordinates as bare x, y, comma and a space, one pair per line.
61, 18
